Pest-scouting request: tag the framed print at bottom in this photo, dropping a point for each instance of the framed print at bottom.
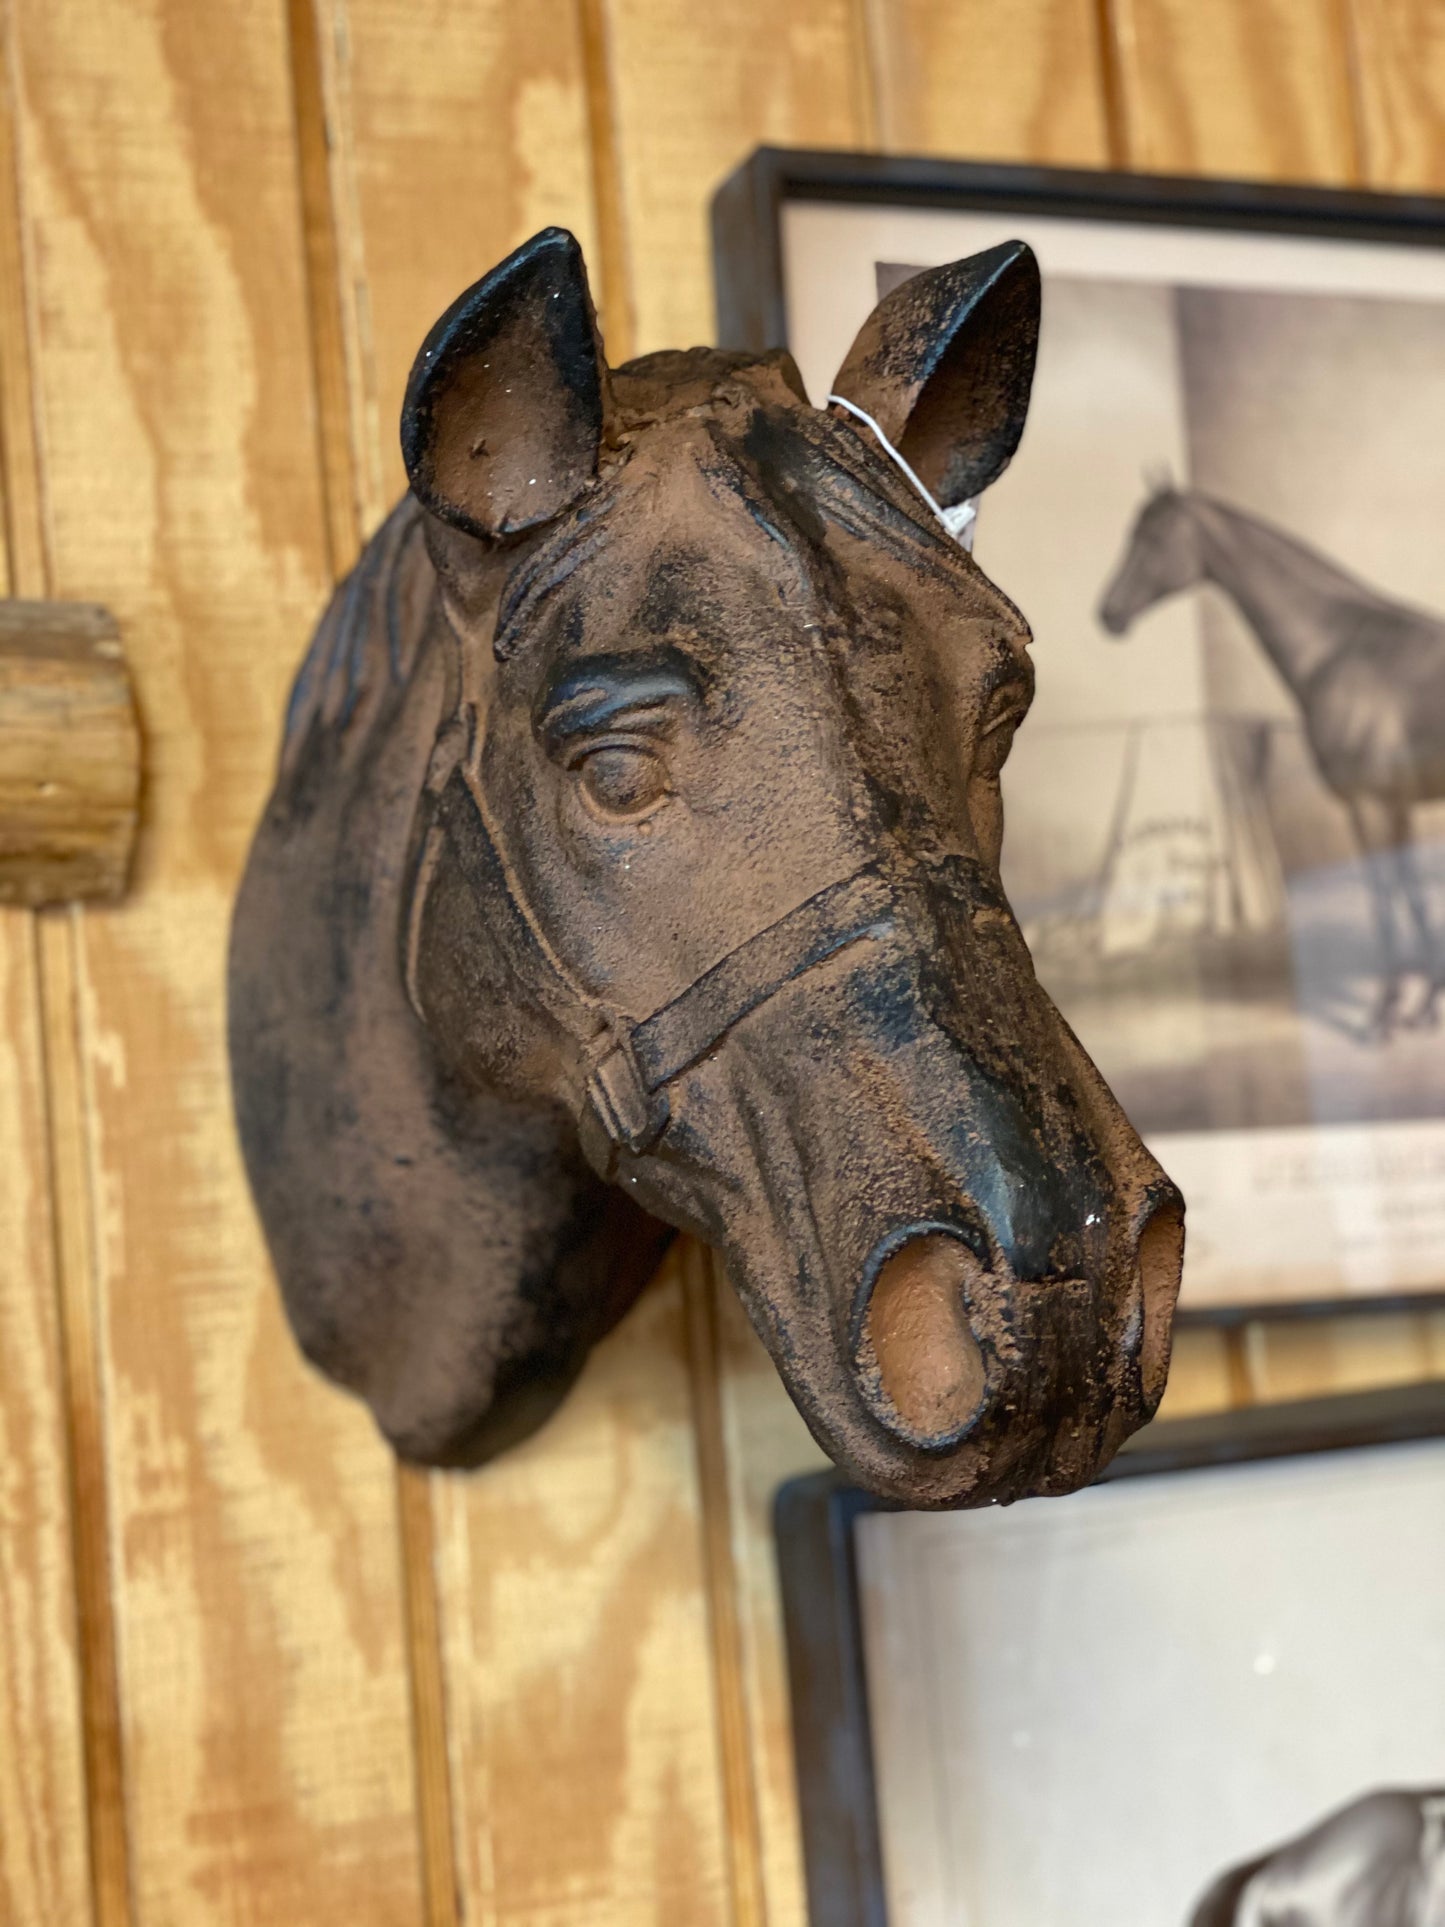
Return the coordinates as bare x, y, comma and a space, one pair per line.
1204, 1692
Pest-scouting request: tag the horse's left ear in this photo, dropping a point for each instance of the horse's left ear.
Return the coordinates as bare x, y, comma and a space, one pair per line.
944, 365
507, 403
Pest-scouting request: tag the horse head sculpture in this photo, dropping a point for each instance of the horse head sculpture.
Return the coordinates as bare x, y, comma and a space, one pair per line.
633, 864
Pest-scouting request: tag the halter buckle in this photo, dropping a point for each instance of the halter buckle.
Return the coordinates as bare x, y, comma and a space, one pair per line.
632, 1116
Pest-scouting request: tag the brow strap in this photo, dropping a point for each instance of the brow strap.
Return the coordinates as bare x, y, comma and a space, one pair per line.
635, 1062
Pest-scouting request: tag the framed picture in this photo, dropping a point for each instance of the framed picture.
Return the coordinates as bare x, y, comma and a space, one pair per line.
1187, 1697
1226, 813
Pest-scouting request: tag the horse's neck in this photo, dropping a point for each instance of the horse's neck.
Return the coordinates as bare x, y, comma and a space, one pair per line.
1289, 595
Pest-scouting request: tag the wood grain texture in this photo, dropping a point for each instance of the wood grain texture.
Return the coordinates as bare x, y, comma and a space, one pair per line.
1310, 1356
766, 1442
694, 90
44, 1874
73, 1191
69, 754
253, 1547
454, 134
333, 349
1043, 99
584, 1748
1236, 87
1205, 1373
704, 1282
1398, 49
62, 1835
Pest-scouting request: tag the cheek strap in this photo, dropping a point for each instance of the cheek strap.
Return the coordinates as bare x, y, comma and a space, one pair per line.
959, 522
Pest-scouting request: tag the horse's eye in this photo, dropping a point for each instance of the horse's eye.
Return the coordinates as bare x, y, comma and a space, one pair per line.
622, 779
996, 738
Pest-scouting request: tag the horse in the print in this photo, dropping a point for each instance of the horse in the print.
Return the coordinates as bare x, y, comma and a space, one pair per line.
1367, 672
1378, 1862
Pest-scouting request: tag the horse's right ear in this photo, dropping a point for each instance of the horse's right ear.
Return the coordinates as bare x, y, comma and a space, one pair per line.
508, 399
944, 365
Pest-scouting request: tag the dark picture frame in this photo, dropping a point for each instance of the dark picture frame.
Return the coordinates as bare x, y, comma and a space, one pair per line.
814, 1521
748, 218
747, 213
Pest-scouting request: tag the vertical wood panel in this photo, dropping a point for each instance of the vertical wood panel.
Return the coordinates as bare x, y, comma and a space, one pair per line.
338, 361
456, 132
1303, 1358
1242, 87
575, 1654
1399, 53
1205, 1373
766, 1442
254, 1549
694, 88
1310, 1356
702, 1281
62, 1845
584, 1747
973, 80
43, 1869
43, 1866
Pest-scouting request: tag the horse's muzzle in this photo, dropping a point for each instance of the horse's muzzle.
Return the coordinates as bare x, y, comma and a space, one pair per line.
922, 1351
959, 1253
1114, 619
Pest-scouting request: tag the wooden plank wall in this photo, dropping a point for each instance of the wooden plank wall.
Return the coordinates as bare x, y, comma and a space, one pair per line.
248, 1673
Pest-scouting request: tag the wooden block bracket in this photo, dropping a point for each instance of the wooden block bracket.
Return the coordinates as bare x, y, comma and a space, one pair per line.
70, 754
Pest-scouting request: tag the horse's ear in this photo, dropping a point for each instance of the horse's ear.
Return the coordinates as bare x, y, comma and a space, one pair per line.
944, 365
508, 399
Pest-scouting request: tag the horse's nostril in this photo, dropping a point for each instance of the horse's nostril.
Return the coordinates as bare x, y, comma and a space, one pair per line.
930, 1369
1160, 1261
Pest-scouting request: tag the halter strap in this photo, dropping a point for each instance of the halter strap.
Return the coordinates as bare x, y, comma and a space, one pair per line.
630, 1065
627, 1084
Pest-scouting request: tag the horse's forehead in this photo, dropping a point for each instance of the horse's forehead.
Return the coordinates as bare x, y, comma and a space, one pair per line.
689, 481
687, 542
700, 541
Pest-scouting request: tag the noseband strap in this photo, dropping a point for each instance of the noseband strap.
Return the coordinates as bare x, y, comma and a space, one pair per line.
634, 1063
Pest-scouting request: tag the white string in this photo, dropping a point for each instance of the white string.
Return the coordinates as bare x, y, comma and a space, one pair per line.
959, 521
